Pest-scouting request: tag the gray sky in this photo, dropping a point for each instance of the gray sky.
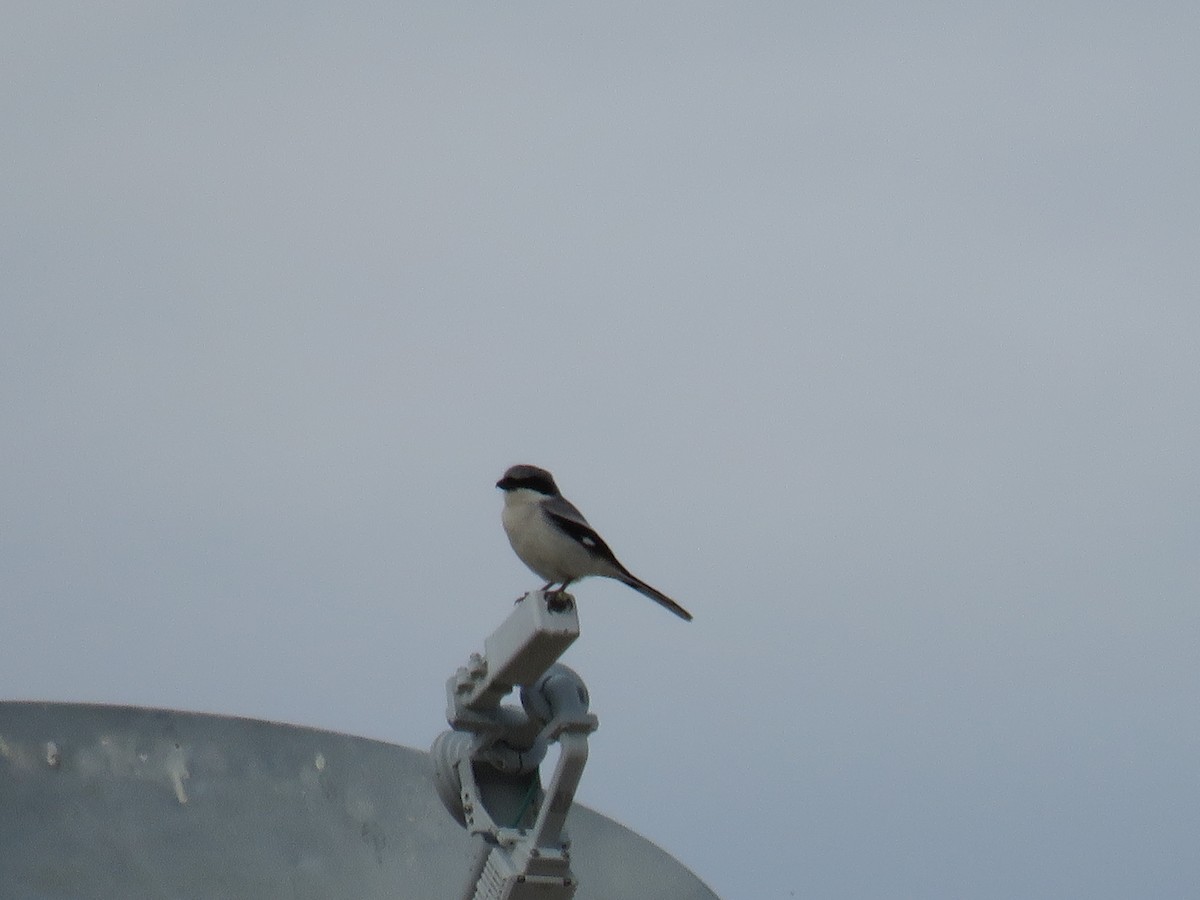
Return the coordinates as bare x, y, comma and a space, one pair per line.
867, 332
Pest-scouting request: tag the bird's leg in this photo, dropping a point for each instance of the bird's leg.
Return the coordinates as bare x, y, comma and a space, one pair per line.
545, 589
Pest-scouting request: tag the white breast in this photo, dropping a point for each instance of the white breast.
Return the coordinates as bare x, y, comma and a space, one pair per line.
546, 550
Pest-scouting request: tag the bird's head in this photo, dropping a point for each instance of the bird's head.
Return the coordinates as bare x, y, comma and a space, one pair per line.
529, 478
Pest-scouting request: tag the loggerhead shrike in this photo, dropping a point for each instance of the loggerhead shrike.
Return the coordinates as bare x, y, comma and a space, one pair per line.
554, 539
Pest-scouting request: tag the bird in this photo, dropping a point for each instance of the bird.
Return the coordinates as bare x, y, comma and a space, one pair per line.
553, 538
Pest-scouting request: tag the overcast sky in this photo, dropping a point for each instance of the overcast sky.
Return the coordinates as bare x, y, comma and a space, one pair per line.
868, 332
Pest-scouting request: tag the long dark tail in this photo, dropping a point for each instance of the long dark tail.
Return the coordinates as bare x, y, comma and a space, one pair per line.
658, 597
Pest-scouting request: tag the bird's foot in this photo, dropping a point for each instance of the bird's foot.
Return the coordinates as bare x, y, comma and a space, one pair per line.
559, 601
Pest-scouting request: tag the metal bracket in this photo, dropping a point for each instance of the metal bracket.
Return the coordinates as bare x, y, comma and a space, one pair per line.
487, 767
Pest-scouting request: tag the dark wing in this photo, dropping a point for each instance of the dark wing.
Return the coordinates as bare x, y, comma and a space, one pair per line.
572, 523
563, 514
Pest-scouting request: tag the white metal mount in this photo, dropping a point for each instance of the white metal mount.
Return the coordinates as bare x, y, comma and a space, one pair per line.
487, 767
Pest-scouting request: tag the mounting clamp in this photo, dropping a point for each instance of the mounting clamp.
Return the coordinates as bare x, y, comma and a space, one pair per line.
487, 768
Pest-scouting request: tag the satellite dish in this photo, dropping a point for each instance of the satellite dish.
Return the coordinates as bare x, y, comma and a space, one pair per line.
103, 802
